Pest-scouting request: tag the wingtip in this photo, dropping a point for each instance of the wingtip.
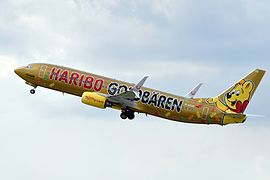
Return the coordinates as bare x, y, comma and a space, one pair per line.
259, 70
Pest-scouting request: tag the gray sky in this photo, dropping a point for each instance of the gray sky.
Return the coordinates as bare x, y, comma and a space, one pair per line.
178, 43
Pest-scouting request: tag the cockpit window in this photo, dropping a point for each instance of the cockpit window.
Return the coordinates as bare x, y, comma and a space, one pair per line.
29, 66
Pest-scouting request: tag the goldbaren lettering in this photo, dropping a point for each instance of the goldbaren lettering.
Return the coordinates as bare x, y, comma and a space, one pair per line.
152, 98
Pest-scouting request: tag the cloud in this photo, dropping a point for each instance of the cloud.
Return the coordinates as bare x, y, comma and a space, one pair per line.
177, 43
7, 66
156, 149
135, 30
158, 69
260, 164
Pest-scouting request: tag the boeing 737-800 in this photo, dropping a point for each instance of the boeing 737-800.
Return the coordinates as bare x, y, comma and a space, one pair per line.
103, 92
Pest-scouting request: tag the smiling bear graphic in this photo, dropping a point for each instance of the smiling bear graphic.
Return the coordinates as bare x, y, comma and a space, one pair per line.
238, 98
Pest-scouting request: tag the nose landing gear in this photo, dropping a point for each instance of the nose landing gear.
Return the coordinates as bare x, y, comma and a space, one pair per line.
33, 91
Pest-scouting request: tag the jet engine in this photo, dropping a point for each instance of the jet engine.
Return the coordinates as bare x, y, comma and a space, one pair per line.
96, 100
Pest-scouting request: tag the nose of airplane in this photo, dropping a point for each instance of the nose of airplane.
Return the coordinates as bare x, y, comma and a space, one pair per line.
19, 71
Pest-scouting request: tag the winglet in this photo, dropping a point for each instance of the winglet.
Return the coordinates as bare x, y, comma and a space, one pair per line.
140, 84
194, 91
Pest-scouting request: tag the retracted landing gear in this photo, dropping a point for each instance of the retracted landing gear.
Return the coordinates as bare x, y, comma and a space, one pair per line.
127, 114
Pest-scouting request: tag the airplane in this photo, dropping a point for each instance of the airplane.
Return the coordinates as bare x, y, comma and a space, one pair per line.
102, 92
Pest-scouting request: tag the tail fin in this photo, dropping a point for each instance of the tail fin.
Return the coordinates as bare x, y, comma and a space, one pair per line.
236, 98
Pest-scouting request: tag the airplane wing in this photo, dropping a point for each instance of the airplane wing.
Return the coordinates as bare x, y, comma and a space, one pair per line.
126, 99
194, 91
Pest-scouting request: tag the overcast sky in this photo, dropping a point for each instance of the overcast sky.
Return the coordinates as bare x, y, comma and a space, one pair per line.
178, 43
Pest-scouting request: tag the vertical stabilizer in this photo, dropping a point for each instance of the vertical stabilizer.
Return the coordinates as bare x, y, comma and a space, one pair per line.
236, 98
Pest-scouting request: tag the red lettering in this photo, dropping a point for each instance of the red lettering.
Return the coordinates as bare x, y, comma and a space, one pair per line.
64, 76
81, 80
88, 84
98, 84
55, 73
73, 78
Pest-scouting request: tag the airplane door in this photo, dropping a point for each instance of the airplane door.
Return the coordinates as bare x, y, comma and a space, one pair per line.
42, 76
42, 71
205, 113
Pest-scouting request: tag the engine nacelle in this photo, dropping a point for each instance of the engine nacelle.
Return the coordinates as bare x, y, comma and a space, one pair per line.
96, 100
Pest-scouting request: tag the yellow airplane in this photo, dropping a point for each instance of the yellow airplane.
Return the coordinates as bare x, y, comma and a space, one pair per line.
103, 92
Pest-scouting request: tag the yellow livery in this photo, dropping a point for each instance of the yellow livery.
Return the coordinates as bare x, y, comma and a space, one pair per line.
103, 92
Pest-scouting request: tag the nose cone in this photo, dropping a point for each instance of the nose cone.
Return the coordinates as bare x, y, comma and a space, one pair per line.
19, 71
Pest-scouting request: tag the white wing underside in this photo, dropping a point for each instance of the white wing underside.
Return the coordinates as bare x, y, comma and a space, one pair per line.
126, 99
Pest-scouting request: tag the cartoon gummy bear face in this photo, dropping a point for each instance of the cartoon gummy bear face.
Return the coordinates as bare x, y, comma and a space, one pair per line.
238, 98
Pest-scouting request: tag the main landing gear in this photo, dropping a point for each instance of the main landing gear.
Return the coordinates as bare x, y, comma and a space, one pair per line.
127, 114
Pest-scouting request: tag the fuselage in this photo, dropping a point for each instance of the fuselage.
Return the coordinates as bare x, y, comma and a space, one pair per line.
150, 101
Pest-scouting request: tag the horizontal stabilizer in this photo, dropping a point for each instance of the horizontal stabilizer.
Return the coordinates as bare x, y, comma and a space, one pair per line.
234, 115
231, 118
